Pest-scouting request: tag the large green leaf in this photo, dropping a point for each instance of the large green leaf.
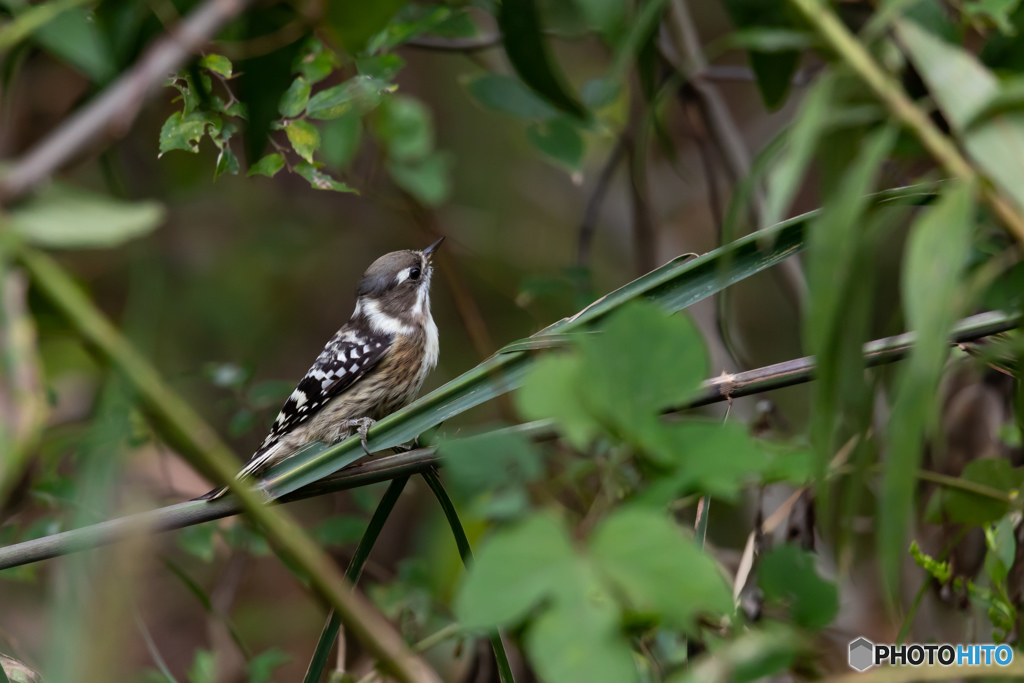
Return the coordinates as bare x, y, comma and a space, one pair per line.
674, 286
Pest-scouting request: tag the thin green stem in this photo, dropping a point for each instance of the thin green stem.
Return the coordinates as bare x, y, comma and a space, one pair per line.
466, 552
352, 573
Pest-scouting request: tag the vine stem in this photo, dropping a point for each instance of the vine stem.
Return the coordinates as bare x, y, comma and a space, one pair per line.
887, 89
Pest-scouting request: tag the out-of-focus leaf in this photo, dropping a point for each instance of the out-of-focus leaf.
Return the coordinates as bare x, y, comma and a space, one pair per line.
305, 138
198, 541
269, 165
551, 392
578, 641
706, 457
320, 180
295, 98
317, 62
204, 668
429, 179
404, 126
658, 569
353, 23
528, 52
753, 656
73, 36
787, 173
558, 140
490, 461
509, 96
998, 12
1002, 548
630, 389
935, 259
516, 569
598, 93
963, 87
787, 576
66, 218
360, 93
218, 64
382, 67
262, 666
964, 507
339, 140
838, 275
607, 17
774, 70
340, 530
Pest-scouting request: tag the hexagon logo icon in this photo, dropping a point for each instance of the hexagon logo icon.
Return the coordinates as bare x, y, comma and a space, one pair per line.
862, 654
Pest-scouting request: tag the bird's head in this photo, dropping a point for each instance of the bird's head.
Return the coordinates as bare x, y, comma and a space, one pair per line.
397, 286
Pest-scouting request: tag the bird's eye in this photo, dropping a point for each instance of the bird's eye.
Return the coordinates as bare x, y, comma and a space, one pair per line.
414, 274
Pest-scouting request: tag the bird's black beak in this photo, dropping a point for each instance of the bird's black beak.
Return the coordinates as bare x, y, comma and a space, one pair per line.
429, 251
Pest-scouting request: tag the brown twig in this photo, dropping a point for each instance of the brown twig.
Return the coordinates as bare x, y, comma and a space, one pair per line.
111, 114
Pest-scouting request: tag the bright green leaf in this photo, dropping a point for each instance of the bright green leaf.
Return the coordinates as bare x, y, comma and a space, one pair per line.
382, 67
185, 132
295, 98
227, 162
361, 94
269, 165
218, 64
304, 136
320, 180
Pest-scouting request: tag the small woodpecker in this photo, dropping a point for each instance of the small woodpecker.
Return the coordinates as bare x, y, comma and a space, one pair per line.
374, 365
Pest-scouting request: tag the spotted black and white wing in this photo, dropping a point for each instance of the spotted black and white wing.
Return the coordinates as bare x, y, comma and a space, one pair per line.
346, 358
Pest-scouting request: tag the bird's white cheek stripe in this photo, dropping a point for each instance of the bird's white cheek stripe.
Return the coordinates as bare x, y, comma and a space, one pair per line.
402, 276
381, 322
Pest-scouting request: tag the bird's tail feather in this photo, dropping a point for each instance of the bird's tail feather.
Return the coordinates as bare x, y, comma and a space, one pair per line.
259, 462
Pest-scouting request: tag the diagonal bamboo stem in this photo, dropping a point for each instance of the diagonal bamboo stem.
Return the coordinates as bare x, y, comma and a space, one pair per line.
789, 373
